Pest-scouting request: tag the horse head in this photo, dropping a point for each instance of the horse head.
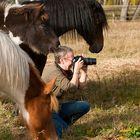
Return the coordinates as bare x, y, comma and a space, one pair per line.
85, 16
97, 22
25, 25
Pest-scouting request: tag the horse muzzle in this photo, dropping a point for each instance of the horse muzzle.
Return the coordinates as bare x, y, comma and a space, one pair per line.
95, 48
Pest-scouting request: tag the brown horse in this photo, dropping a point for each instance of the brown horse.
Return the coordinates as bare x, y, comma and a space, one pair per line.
21, 80
24, 24
87, 17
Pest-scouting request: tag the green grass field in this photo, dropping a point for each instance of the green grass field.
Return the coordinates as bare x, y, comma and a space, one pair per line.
113, 90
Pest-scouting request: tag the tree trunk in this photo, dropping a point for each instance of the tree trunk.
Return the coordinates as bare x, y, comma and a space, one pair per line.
137, 12
124, 11
16, 2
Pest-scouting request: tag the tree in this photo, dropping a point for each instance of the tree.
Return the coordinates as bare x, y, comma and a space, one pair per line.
124, 11
16, 2
137, 12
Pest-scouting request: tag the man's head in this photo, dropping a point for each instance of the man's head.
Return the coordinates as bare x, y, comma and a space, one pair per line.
63, 57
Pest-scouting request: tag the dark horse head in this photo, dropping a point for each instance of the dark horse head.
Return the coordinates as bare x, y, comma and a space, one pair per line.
24, 24
85, 16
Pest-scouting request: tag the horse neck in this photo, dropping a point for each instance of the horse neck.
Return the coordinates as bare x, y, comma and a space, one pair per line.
35, 92
63, 30
36, 85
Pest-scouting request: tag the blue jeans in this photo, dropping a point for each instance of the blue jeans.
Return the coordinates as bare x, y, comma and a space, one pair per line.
69, 112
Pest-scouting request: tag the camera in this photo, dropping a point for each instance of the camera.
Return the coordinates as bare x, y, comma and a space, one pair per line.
87, 61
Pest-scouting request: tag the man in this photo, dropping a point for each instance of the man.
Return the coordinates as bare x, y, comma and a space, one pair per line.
66, 83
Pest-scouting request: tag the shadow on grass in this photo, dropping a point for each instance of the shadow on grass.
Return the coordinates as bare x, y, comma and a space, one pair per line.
118, 100
104, 126
113, 91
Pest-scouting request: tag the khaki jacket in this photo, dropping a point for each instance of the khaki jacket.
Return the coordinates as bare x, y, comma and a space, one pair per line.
62, 84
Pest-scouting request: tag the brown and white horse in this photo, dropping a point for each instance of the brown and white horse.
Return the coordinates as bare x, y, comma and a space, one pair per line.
20, 79
22, 83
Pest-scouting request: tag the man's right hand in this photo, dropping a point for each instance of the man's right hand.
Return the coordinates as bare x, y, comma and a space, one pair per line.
78, 65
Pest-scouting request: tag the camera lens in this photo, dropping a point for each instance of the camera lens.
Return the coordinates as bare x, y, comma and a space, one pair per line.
87, 61
90, 61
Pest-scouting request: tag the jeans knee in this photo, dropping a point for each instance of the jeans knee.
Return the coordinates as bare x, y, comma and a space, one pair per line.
86, 106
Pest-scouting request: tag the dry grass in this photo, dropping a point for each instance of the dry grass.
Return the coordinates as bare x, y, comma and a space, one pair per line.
113, 89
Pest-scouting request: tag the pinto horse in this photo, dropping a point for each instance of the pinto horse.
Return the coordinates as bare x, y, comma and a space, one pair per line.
20, 79
22, 83
87, 17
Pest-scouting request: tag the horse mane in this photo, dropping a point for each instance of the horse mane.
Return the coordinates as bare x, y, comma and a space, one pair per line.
14, 64
3, 4
99, 13
75, 13
70, 11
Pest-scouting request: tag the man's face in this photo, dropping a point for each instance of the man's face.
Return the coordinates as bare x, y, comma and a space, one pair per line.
67, 60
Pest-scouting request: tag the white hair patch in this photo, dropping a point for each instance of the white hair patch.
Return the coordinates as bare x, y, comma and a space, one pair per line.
16, 39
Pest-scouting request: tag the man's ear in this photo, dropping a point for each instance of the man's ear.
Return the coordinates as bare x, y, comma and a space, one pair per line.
49, 86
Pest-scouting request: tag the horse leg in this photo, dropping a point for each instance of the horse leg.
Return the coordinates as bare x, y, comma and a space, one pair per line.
15, 111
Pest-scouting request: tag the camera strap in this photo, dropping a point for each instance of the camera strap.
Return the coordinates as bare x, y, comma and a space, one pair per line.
67, 73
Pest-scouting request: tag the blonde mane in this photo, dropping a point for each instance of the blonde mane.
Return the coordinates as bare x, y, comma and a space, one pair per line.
14, 65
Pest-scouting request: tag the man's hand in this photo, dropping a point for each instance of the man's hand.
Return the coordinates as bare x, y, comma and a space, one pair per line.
78, 65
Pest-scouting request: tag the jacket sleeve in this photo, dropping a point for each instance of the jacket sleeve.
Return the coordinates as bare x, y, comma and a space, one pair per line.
62, 84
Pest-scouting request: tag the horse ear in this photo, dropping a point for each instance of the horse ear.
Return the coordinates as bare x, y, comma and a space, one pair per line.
44, 15
49, 86
34, 13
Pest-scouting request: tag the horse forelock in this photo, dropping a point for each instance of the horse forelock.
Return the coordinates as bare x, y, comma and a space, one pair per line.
14, 65
8, 7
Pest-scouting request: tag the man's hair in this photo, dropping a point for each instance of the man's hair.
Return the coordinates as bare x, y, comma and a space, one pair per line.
60, 52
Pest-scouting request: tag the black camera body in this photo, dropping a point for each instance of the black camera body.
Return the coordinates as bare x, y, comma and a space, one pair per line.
87, 61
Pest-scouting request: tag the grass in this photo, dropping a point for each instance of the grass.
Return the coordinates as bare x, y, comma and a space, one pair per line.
113, 90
